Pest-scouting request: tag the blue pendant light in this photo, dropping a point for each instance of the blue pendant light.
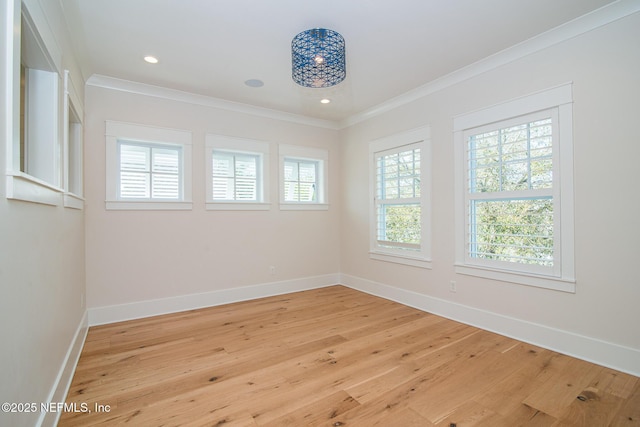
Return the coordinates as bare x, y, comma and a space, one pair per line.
318, 58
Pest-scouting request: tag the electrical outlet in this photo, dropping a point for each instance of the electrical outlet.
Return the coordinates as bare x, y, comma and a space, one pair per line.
272, 270
453, 286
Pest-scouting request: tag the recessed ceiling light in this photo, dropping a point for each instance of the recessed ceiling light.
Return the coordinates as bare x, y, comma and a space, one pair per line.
151, 59
254, 83
325, 101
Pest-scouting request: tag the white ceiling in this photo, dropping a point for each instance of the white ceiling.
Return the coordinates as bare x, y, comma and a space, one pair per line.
211, 47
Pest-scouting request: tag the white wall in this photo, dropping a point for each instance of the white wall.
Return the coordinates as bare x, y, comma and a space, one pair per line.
140, 256
604, 65
41, 265
42, 248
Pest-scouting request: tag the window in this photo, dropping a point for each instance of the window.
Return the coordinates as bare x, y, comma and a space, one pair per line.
510, 193
73, 148
238, 173
147, 167
303, 181
149, 171
516, 174
400, 198
235, 176
34, 170
39, 154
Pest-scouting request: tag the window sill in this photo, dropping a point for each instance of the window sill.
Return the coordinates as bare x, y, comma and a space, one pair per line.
24, 187
413, 261
304, 206
237, 206
545, 282
148, 206
73, 201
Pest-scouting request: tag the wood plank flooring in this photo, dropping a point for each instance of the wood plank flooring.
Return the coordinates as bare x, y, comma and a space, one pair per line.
334, 357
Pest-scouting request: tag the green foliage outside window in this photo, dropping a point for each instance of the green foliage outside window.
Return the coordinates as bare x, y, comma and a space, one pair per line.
398, 193
400, 223
515, 231
510, 191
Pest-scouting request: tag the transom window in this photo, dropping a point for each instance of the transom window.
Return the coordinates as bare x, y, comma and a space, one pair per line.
300, 180
303, 178
148, 168
237, 173
235, 176
149, 171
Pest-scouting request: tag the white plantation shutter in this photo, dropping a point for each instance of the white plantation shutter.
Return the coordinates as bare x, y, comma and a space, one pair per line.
235, 176
222, 170
510, 192
300, 180
149, 171
165, 173
398, 198
246, 177
134, 172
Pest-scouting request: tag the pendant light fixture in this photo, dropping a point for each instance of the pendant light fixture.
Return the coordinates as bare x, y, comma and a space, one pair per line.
318, 58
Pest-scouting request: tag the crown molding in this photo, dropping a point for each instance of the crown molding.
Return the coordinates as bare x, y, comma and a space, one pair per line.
591, 21
138, 88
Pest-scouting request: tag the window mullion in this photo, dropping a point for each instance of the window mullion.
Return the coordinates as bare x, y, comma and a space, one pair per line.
540, 193
151, 172
413, 172
529, 177
500, 158
380, 191
233, 177
397, 156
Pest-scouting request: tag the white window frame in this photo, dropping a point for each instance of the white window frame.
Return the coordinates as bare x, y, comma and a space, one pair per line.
146, 135
72, 146
556, 103
420, 256
234, 145
41, 181
300, 153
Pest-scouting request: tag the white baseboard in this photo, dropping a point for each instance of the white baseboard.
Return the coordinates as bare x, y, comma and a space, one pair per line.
593, 350
65, 375
140, 309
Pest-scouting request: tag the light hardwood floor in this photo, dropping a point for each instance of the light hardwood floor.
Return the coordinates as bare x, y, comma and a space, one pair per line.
334, 357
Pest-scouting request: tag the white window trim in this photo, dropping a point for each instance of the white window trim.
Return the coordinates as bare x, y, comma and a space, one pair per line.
27, 188
305, 153
561, 99
72, 103
147, 134
20, 185
238, 145
422, 257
